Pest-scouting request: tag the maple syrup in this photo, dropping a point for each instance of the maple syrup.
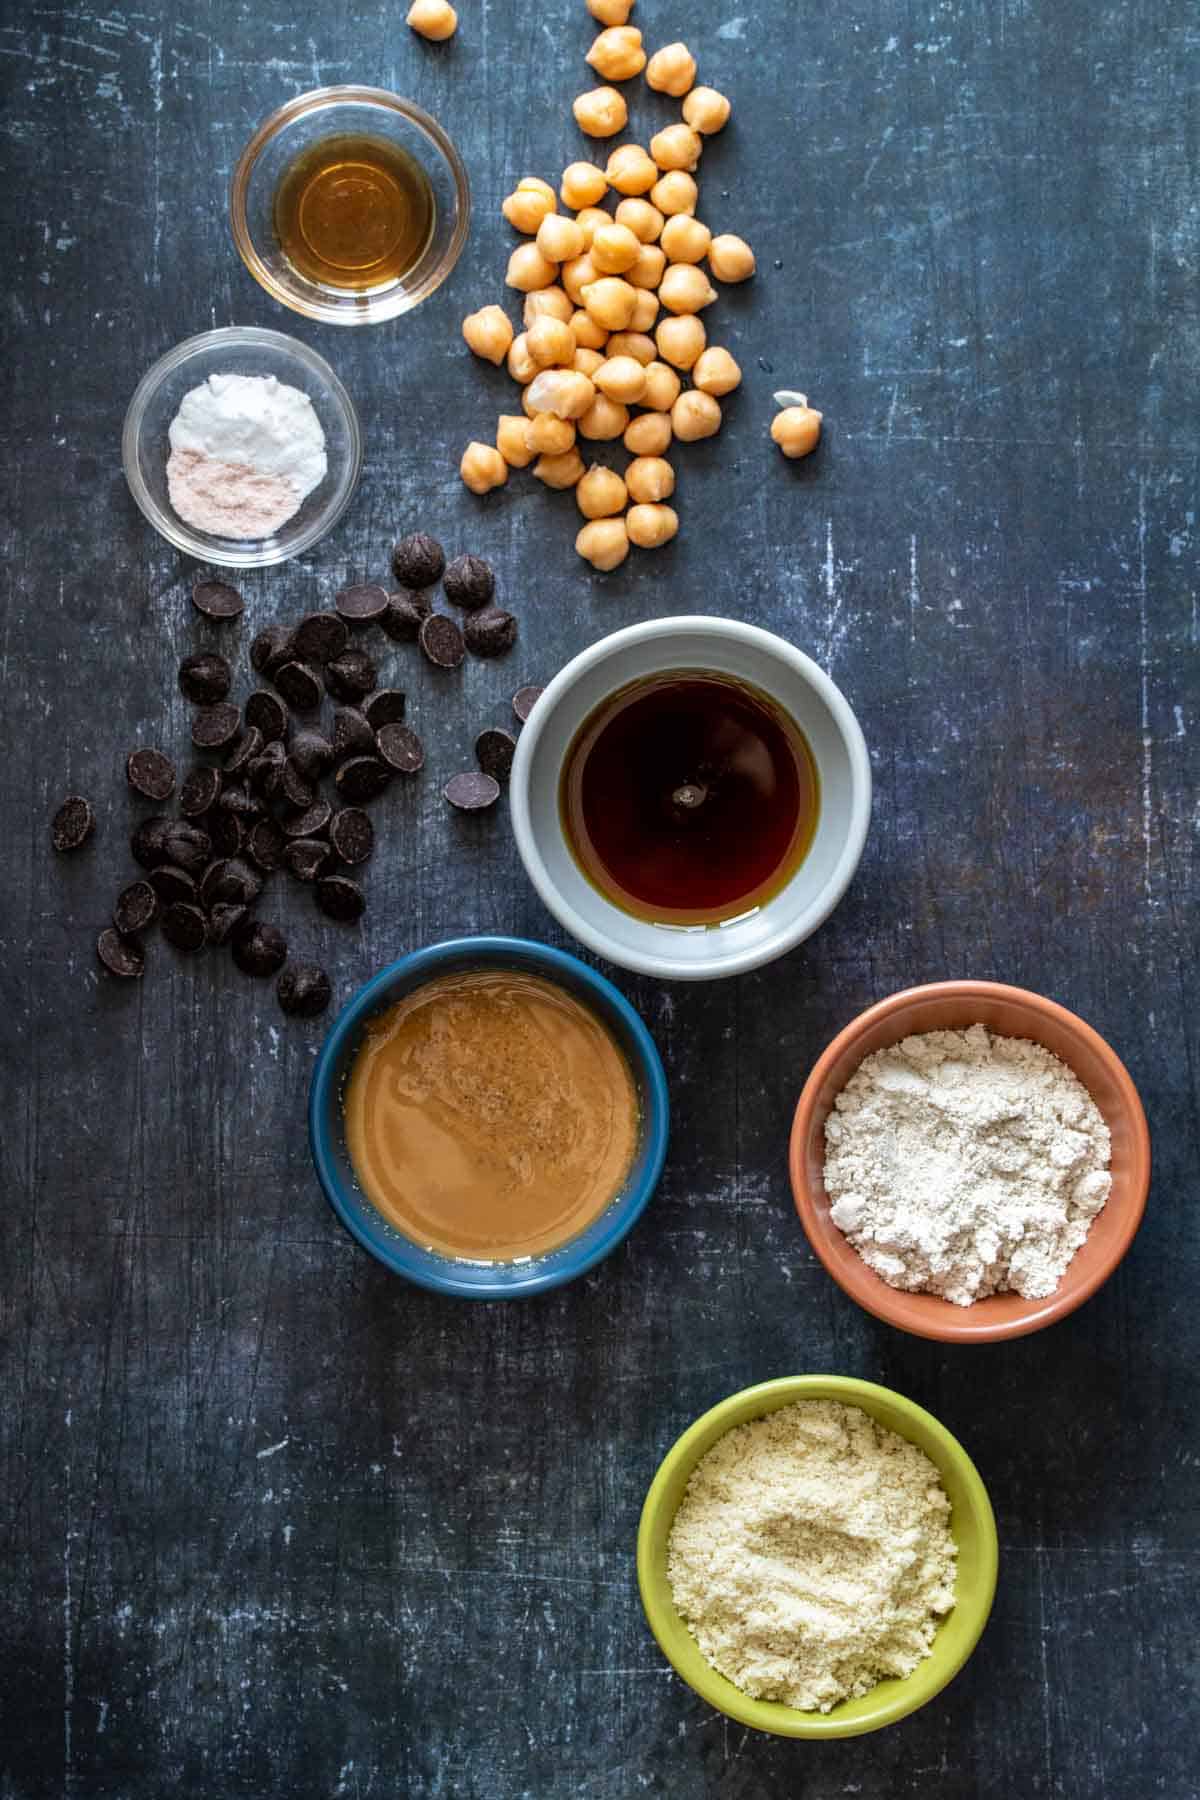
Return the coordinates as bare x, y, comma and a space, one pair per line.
354, 212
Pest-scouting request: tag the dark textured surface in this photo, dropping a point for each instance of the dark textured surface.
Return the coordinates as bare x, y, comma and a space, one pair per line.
273, 1523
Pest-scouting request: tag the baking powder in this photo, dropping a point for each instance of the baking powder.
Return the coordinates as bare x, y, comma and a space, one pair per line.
245, 451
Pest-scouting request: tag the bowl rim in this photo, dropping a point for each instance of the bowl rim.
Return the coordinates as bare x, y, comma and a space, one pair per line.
874, 1296
205, 550
661, 965
351, 310
564, 1264
697, 1439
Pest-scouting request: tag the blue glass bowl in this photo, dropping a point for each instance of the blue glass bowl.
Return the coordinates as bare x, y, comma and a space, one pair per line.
327, 1138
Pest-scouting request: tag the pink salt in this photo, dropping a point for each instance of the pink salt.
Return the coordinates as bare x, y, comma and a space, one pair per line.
229, 500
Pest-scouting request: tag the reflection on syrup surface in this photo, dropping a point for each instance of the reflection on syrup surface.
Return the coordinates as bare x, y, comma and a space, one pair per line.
353, 212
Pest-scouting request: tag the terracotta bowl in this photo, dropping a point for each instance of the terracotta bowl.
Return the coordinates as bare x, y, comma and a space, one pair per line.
1010, 1012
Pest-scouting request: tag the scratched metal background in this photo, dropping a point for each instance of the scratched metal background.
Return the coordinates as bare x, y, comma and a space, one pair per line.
273, 1523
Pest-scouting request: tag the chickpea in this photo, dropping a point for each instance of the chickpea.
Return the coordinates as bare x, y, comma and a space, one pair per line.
521, 365
600, 493
676, 147
589, 220
564, 392
647, 271
680, 340
582, 184
675, 192
483, 468
529, 269
684, 239
614, 249
588, 361
610, 301
715, 372
547, 303
631, 170
646, 310
650, 479
662, 387
671, 70
489, 332
512, 441
686, 289
588, 335
548, 436
731, 258
528, 204
601, 112
559, 239
634, 344
550, 342
610, 12
649, 434
651, 526
432, 19
797, 429
604, 543
559, 471
706, 111
617, 53
576, 274
621, 378
695, 415
529, 411
604, 420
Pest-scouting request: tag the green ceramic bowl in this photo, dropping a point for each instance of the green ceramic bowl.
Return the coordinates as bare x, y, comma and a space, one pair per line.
972, 1523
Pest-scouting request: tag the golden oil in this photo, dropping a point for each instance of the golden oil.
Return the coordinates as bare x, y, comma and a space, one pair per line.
354, 212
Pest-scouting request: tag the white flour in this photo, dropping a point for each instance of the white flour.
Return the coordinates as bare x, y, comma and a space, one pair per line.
811, 1555
245, 450
964, 1164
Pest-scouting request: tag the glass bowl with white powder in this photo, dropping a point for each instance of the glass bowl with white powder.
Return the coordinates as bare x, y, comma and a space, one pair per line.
242, 447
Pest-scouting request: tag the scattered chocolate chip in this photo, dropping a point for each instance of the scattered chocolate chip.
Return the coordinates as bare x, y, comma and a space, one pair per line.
472, 791
300, 686
351, 676
149, 841
402, 620
204, 678
319, 637
469, 582
341, 898
215, 726
247, 747
303, 990
200, 791
442, 641
418, 560
352, 736
187, 847
494, 751
264, 845
225, 918
363, 777
74, 823
524, 700
137, 907
236, 882
210, 881
271, 649
294, 788
490, 632
171, 886
259, 949
266, 771
227, 832
366, 600
384, 707
185, 926
306, 857
352, 835
120, 955
401, 748
267, 713
311, 822
310, 753
239, 801
217, 600
151, 773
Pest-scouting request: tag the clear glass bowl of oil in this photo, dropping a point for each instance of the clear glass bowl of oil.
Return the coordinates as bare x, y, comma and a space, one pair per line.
350, 205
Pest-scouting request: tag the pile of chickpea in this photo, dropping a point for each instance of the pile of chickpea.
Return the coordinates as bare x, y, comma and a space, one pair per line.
612, 307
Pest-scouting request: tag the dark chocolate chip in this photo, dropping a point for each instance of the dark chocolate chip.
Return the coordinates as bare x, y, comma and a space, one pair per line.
236, 882
227, 832
311, 822
215, 726
341, 898
294, 788
137, 907
200, 791
303, 990
247, 747
385, 706
217, 600
418, 560
473, 791
74, 823
259, 949
311, 753
210, 881
185, 926
366, 600
267, 713
171, 886
264, 845
401, 748
306, 857
271, 649
120, 955
352, 835
187, 847
494, 751
149, 841
300, 686
151, 773
469, 582
490, 632
319, 637
266, 771
225, 918
351, 676
204, 678
402, 620
442, 641
239, 801
352, 736
363, 776
524, 701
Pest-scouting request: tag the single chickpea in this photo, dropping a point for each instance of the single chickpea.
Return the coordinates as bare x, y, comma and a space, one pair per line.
797, 429
686, 289
564, 392
675, 192
651, 526
684, 239
489, 332
589, 220
715, 372
695, 415
587, 361
680, 340
511, 440
633, 344
604, 543
576, 274
604, 420
588, 335
631, 170
646, 310
520, 364
662, 387
610, 12
621, 378
550, 342
731, 258
649, 434
647, 271
706, 111
610, 301
548, 436
676, 147
529, 203
614, 249
547, 303
645, 221
650, 479
559, 471
601, 112
582, 184
617, 53
559, 239
601, 493
433, 19
483, 468
529, 269
671, 70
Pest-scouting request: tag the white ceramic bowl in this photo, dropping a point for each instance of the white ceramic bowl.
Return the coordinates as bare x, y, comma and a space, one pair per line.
801, 689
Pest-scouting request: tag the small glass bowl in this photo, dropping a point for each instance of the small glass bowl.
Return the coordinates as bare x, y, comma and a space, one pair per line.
326, 112
240, 350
